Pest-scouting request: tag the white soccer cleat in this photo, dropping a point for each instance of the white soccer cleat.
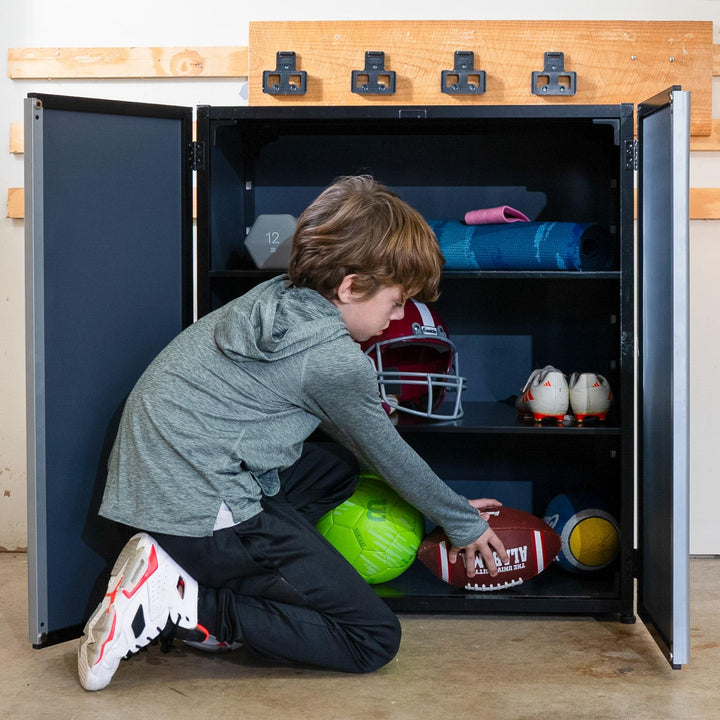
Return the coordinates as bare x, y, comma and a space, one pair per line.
590, 396
147, 590
545, 395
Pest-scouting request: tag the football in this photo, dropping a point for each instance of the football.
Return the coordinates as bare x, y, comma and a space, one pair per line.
530, 542
375, 530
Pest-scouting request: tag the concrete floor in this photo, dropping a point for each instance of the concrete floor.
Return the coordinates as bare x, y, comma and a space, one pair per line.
449, 668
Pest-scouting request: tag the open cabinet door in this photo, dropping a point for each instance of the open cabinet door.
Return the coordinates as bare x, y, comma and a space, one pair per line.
108, 221
663, 226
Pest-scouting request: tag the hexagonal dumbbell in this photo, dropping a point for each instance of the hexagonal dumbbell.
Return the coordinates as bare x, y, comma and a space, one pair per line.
269, 241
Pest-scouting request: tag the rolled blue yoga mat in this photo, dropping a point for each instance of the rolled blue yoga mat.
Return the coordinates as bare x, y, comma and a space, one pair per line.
524, 246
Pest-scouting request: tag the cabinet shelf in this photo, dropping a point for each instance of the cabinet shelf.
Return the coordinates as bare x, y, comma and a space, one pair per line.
534, 274
554, 590
502, 418
451, 274
243, 274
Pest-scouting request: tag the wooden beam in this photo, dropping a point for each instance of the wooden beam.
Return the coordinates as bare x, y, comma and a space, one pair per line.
707, 143
716, 60
704, 203
615, 61
127, 62
17, 138
16, 203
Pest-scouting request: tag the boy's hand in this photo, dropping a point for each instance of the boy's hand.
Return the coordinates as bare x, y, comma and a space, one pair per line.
487, 545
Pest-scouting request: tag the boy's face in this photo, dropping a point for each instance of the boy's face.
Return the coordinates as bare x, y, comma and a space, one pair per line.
368, 317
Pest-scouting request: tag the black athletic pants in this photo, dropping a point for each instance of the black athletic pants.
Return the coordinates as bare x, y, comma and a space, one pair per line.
276, 584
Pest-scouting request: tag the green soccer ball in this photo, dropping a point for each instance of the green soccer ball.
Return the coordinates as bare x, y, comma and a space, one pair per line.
375, 530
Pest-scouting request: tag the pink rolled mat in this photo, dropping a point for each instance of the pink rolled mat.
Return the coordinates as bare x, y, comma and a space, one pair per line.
490, 216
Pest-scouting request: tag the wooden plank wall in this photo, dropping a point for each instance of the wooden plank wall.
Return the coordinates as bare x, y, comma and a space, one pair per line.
614, 61
119, 62
416, 50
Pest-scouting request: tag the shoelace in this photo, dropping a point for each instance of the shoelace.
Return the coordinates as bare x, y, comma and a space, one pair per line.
540, 375
167, 635
165, 638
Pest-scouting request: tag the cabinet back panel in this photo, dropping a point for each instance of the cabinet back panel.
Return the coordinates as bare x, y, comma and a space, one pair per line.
568, 465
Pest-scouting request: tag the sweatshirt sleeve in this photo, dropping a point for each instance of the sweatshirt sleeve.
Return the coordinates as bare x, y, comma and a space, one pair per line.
340, 387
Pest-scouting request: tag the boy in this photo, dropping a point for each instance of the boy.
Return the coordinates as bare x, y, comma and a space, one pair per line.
212, 456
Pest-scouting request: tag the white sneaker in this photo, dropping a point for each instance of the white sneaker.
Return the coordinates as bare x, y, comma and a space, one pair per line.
213, 645
545, 395
590, 396
147, 589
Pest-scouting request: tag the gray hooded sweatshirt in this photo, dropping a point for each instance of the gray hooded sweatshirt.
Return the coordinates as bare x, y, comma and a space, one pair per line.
231, 400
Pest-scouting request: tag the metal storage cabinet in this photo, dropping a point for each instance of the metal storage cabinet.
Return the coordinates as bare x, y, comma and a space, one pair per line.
121, 292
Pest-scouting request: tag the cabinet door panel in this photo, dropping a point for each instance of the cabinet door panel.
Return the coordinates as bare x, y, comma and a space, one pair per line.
108, 223
663, 588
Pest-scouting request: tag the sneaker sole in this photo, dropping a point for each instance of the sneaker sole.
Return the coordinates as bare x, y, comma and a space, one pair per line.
539, 417
581, 417
214, 647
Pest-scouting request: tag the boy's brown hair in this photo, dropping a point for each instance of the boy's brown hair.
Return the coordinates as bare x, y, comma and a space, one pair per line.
359, 226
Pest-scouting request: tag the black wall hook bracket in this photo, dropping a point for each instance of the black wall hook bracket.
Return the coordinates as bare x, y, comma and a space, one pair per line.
285, 79
374, 79
554, 79
463, 79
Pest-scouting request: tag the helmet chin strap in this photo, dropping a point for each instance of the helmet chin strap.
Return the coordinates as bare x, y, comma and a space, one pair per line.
427, 327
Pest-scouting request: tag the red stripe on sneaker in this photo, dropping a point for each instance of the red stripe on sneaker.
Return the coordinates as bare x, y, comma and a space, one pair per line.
205, 630
151, 568
110, 636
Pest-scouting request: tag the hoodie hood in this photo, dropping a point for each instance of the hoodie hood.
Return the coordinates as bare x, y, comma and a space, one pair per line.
276, 320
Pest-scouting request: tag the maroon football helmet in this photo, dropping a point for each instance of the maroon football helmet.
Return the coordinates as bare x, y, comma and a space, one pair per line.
417, 365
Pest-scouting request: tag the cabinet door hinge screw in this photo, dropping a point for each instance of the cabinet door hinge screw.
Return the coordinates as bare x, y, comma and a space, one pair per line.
631, 155
196, 156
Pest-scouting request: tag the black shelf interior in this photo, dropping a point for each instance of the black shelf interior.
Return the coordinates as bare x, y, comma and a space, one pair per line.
505, 325
444, 167
562, 165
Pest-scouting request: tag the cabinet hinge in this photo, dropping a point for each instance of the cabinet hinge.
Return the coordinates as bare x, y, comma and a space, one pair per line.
196, 156
631, 155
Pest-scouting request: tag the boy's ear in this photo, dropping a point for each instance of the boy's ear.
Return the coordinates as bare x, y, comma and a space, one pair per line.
346, 290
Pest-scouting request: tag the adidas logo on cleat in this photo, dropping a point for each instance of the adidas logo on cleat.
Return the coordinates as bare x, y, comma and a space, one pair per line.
544, 396
590, 396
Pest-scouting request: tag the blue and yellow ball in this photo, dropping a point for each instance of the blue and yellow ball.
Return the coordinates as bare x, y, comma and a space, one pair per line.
375, 530
589, 532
